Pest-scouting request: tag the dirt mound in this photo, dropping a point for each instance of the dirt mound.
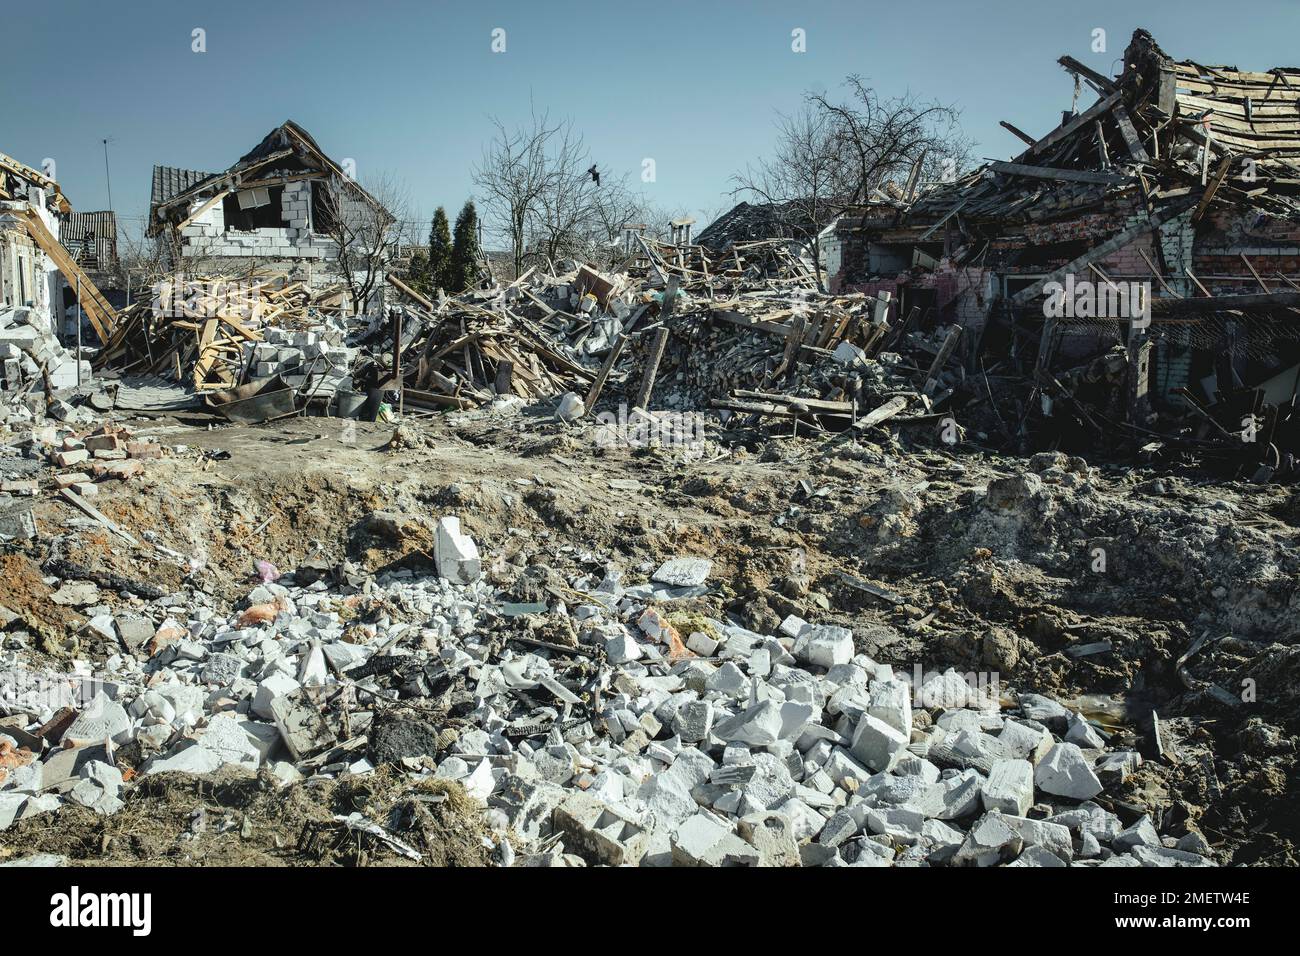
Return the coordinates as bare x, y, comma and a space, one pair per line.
233, 818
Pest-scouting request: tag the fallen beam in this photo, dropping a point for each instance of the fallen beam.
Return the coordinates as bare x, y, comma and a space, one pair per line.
1068, 175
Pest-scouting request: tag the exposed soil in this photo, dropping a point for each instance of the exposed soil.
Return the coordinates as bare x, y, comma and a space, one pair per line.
1084, 584
233, 818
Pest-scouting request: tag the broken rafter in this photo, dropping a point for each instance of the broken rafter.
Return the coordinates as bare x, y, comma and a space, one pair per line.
1129, 132
1106, 84
1212, 188
1016, 131
1080, 121
1069, 175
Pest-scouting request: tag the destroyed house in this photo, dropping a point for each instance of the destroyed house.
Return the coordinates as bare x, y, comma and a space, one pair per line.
36, 273
1180, 179
749, 222
282, 203
29, 277
90, 238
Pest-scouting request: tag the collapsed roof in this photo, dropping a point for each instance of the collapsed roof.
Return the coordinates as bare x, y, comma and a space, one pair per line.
15, 177
1174, 134
747, 222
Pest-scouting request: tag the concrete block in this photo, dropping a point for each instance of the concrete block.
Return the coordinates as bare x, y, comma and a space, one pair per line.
1065, 772
694, 721
456, 553
1025, 742
276, 685
991, 840
1140, 833
1079, 731
1009, 787
951, 798
703, 840
1050, 836
304, 730
891, 702
824, 646
1037, 856
877, 744
103, 719
683, 572
773, 835
758, 725
600, 832
623, 648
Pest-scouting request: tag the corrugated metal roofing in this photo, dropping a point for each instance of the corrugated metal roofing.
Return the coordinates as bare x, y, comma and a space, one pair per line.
169, 181
101, 249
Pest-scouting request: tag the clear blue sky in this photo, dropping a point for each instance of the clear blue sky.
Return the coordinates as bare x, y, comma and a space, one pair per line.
409, 86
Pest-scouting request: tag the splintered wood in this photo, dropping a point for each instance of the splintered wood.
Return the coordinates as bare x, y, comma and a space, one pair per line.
194, 329
476, 346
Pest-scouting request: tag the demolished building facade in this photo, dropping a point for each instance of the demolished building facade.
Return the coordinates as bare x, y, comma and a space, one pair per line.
279, 204
1180, 179
35, 271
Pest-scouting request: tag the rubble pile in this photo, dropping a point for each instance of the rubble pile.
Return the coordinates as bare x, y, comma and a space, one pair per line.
69, 458
702, 325
317, 362
602, 732
32, 359
216, 332
470, 348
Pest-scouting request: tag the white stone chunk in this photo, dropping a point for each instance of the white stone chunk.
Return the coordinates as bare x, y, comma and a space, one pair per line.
456, 554
1009, 787
1065, 772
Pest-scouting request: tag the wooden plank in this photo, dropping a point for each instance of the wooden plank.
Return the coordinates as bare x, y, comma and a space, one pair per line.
941, 359
1129, 132
1069, 175
1016, 131
605, 368
1197, 282
204, 208
102, 316
1074, 66
1263, 287
407, 290
1078, 123
1156, 272
882, 413
71, 496
813, 404
946, 216
749, 322
652, 367
1212, 188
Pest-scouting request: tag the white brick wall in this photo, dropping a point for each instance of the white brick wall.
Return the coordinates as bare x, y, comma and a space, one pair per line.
294, 242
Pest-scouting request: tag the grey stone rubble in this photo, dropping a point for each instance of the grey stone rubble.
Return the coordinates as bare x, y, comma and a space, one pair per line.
317, 361
636, 746
29, 352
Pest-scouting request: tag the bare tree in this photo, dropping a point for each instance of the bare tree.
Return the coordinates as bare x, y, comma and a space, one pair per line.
883, 140
832, 156
361, 222
804, 181
560, 221
516, 171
